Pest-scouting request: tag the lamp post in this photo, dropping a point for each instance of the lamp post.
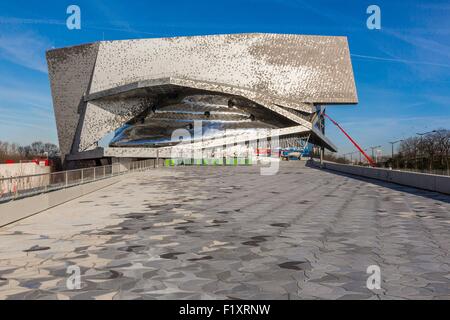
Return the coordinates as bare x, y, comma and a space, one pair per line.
392, 144
351, 154
366, 150
424, 134
373, 155
421, 138
345, 156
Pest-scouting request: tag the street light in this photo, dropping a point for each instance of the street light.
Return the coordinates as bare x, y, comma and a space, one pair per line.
360, 156
345, 156
392, 144
423, 134
421, 141
351, 155
373, 148
366, 150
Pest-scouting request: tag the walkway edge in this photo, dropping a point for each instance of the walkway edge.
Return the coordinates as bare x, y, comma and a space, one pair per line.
14, 211
423, 181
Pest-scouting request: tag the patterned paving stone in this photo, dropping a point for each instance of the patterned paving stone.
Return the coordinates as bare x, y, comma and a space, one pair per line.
230, 233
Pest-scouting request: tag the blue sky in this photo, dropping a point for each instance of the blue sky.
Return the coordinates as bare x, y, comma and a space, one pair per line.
402, 71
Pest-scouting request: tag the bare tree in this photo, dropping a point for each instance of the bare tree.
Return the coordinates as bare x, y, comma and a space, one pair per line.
410, 150
51, 149
430, 148
13, 151
442, 138
37, 148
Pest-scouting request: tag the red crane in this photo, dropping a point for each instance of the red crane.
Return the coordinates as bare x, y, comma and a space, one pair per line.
369, 159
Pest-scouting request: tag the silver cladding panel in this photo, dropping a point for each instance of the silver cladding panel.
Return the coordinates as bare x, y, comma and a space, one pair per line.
290, 68
70, 73
293, 67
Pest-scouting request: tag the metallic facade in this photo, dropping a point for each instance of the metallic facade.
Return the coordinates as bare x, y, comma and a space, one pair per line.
270, 82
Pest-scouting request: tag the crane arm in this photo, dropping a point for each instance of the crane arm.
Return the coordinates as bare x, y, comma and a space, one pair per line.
369, 159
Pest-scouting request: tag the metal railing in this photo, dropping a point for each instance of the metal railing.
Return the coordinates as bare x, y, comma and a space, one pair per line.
12, 188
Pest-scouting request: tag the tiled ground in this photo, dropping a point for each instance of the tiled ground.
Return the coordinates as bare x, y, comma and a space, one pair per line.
226, 232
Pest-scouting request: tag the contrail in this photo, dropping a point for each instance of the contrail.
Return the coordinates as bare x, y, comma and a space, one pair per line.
17, 21
401, 60
12, 20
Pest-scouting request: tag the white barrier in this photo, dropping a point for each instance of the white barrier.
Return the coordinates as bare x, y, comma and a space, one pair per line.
44, 198
411, 179
17, 210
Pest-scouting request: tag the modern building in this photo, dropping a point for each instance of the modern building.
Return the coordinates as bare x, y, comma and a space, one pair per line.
151, 92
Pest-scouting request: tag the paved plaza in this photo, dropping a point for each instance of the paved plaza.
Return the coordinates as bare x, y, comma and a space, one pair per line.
230, 233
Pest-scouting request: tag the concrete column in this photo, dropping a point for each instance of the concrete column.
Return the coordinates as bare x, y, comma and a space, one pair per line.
157, 158
322, 151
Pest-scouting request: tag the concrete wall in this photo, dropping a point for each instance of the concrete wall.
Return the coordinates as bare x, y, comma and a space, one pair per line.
16, 210
21, 169
411, 179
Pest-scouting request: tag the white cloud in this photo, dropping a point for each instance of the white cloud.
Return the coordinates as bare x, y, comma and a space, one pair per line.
28, 95
26, 49
423, 43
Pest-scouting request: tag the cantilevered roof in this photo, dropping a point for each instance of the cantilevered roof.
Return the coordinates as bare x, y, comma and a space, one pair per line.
279, 69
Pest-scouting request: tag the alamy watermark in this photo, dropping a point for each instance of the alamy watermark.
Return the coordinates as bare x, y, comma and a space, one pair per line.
374, 20
374, 280
214, 146
73, 282
73, 21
